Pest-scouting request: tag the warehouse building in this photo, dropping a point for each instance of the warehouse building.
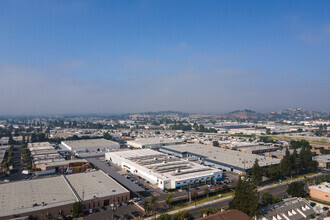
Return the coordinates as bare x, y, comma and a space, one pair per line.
225, 159
3, 150
320, 192
55, 196
280, 153
163, 170
323, 161
293, 209
90, 147
258, 149
48, 160
152, 142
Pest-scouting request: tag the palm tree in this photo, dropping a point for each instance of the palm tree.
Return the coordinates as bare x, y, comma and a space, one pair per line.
153, 202
169, 200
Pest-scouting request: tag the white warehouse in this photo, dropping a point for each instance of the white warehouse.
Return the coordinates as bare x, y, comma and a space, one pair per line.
161, 169
90, 145
152, 142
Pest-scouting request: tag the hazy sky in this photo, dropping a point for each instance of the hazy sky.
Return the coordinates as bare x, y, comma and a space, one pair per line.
194, 56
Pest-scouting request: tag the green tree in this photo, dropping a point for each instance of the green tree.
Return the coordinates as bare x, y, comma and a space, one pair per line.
206, 211
77, 209
164, 216
169, 200
183, 215
246, 198
207, 191
146, 207
285, 164
216, 143
297, 189
153, 202
266, 199
257, 173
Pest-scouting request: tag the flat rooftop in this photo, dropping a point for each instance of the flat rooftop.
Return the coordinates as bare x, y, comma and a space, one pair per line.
94, 185
282, 152
259, 147
323, 158
4, 147
163, 165
324, 187
150, 141
295, 209
19, 197
90, 143
230, 157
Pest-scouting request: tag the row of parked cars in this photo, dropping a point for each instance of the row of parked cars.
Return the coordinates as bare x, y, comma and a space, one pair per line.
137, 182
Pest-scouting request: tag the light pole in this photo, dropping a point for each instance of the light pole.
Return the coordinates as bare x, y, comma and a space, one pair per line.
113, 208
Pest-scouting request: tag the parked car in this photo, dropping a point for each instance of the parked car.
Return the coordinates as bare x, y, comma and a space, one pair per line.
118, 204
128, 217
135, 213
325, 208
313, 204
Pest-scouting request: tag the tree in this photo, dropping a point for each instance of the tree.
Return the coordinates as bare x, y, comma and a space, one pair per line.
297, 189
164, 216
77, 209
183, 215
206, 211
257, 173
169, 200
246, 198
285, 164
146, 207
266, 199
207, 191
273, 172
153, 202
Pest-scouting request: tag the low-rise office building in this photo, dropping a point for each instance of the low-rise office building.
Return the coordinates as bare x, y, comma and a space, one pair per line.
161, 169
320, 192
152, 142
225, 159
55, 196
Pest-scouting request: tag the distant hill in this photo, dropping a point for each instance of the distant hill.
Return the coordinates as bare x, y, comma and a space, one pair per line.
291, 114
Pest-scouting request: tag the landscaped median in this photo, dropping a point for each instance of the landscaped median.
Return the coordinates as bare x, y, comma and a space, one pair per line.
201, 199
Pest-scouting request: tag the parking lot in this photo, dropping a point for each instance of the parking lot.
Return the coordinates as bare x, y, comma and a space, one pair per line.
124, 211
230, 180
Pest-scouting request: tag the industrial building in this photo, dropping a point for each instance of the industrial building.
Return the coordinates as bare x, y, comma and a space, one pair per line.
320, 192
152, 142
323, 161
281, 153
3, 150
46, 159
258, 149
293, 209
55, 196
225, 159
90, 147
163, 170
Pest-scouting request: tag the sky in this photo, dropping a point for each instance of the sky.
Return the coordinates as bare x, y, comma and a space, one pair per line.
77, 57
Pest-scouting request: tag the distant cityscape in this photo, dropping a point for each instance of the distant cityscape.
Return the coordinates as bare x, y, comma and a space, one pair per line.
161, 164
